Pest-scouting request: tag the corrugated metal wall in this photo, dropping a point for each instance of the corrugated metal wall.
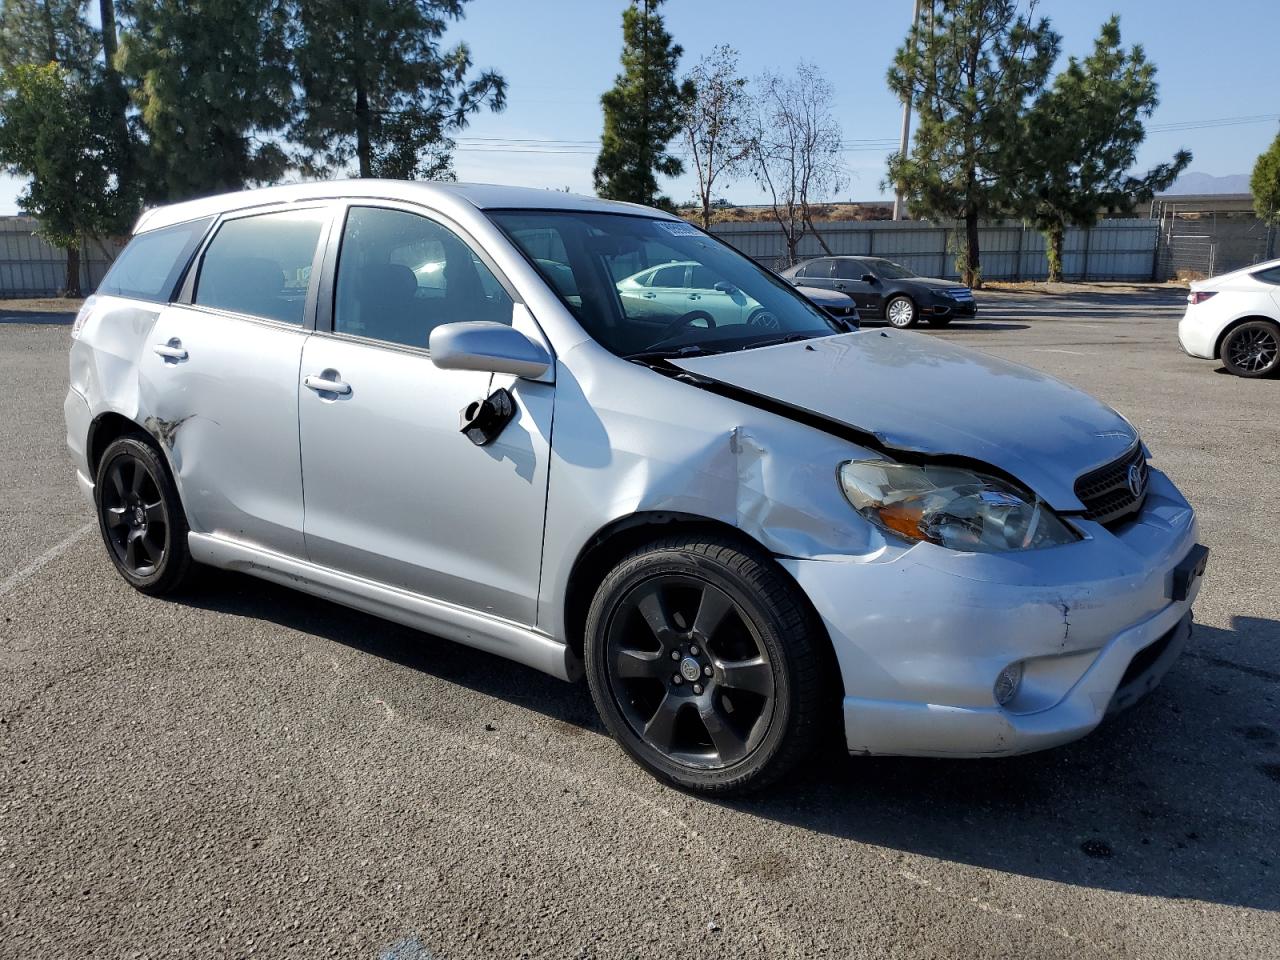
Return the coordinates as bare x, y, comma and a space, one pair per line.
29, 267
1112, 250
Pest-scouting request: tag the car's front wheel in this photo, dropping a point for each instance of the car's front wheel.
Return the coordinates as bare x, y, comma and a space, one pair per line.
141, 518
901, 312
704, 660
1252, 349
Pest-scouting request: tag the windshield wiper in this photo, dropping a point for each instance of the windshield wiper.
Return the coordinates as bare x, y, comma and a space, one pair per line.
789, 338
672, 353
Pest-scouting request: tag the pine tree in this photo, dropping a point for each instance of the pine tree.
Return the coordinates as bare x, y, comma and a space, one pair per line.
378, 89
1265, 183
212, 84
969, 67
56, 129
1080, 140
642, 112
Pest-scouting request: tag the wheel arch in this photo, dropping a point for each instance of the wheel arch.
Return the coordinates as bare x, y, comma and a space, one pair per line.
1237, 322
109, 426
623, 534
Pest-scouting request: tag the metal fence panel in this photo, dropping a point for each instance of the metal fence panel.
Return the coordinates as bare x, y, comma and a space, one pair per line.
29, 267
1112, 250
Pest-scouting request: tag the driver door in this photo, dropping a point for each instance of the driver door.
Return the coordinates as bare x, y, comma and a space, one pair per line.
848, 280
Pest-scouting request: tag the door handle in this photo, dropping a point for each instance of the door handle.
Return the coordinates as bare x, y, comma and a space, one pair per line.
695, 296
171, 351
327, 382
650, 296
839, 286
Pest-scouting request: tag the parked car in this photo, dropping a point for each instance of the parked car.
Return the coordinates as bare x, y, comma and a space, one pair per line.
746, 534
834, 303
884, 290
1235, 318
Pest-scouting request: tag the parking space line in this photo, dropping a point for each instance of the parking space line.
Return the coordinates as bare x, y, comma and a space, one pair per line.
19, 576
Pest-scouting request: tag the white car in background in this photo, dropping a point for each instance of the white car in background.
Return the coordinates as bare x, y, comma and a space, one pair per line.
1235, 318
683, 286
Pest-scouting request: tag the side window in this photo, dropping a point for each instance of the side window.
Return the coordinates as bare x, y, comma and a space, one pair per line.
702, 278
149, 267
669, 276
401, 275
1271, 275
818, 269
261, 265
849, 270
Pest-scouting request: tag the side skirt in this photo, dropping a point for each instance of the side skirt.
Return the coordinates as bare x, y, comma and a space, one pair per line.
460, 624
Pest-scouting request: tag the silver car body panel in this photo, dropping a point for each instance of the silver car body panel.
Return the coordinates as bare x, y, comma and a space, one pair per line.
396, 512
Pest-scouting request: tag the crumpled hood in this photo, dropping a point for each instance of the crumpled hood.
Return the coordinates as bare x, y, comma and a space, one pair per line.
916, 393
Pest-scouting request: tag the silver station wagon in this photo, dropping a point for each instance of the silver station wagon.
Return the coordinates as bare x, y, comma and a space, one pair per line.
485, 412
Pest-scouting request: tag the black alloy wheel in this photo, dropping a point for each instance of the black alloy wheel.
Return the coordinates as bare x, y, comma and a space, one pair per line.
1252, 349
689, 673
707, 664
140, 517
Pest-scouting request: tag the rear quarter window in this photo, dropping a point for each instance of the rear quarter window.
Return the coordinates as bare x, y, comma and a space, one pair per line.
1270, 275
151, 265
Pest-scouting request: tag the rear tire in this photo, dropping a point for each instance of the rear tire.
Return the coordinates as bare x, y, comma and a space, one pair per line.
901, 312
707, 664
1252, 350
141, 518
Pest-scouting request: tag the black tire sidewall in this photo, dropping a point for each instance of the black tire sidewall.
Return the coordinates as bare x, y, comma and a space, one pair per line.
173, 567
1225, 353
758, 767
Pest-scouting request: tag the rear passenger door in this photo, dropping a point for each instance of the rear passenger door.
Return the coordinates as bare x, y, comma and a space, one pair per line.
816, 273
219, 376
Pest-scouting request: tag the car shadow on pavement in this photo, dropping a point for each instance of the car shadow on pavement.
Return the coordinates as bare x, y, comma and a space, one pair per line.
242, 595
1178, 797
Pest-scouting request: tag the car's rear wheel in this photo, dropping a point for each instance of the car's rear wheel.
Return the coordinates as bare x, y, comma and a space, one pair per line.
704, 661
1252, 349
900, 311
141, 518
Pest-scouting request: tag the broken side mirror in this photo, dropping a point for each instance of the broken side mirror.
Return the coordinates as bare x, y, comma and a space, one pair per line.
487, 346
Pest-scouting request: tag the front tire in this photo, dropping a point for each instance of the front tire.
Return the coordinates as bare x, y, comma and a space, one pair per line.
900, 311
1252, 349
141, 518
705, 663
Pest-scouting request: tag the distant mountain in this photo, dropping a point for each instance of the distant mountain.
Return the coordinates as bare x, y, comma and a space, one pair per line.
1207, 183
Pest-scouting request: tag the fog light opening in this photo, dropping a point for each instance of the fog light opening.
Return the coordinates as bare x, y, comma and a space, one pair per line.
1007, 683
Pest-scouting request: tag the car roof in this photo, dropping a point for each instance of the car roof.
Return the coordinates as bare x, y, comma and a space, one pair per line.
482, 196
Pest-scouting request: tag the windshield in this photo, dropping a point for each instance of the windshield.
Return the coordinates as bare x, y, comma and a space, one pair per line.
888, 270
640, 285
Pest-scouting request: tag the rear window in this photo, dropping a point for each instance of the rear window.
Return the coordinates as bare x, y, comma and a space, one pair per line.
151, 265
1270, 275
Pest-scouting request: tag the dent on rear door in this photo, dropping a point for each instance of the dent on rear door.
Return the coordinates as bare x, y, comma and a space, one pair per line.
227, 417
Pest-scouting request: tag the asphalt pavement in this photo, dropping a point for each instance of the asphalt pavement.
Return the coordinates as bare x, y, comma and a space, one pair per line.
247, 771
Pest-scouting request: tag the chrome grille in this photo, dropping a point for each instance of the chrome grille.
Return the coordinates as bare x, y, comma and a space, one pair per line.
1107, 493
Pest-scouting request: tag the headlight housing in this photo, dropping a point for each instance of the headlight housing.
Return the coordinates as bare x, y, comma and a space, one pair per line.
950, 506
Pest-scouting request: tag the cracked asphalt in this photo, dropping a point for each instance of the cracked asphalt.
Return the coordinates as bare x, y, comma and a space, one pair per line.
251, 772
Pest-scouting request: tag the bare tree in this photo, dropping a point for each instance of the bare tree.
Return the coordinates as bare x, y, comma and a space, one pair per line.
716, 122
796, 149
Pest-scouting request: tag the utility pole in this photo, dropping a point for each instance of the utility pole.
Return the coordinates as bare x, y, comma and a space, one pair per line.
899, 209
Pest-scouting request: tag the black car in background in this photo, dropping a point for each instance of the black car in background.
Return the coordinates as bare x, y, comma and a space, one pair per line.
884, 290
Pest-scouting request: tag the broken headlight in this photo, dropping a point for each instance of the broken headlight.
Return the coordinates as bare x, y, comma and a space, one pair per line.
951, 507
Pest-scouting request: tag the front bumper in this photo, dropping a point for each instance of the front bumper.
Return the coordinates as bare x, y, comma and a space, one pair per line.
949, 308
921, 634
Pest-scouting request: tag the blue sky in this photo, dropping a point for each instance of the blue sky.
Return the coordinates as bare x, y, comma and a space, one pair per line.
1216, 60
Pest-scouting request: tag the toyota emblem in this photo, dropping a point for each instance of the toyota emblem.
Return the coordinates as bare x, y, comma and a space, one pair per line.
1137, 479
